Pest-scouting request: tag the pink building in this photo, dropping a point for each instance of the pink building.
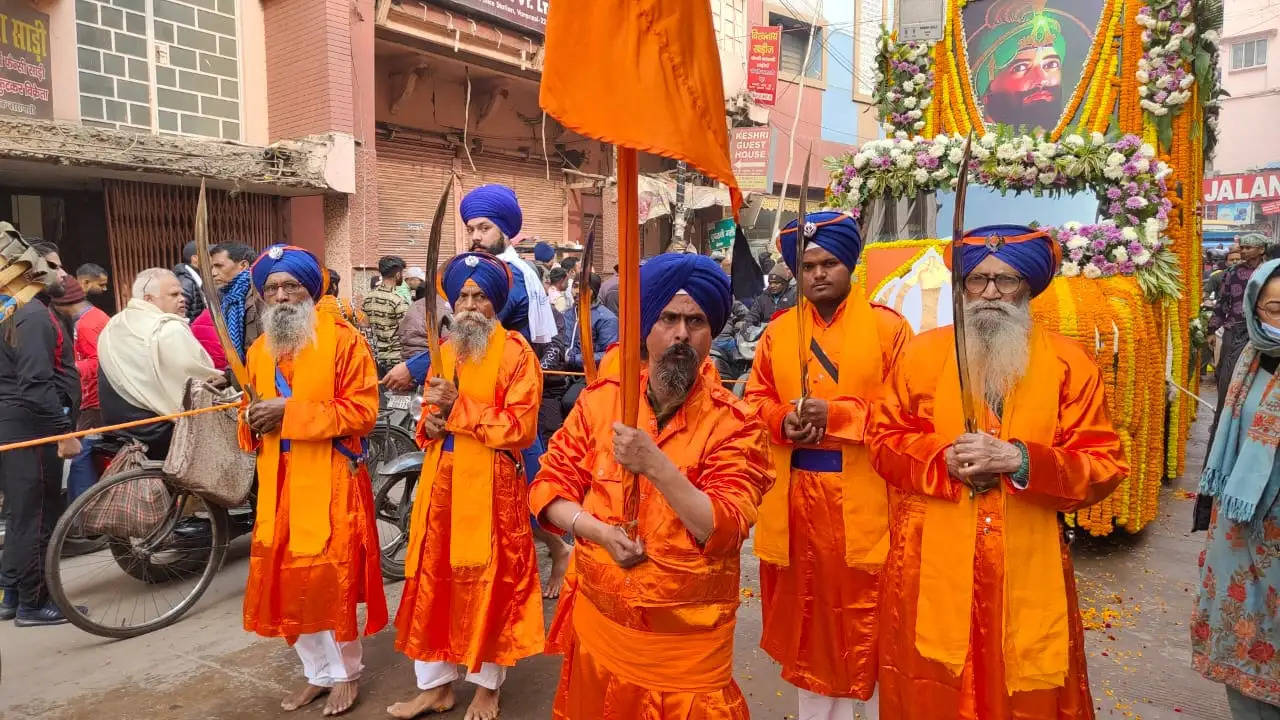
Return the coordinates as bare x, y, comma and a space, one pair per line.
1236, 192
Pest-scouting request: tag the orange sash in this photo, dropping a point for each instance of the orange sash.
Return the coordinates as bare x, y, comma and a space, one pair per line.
866, 503
471, 501
1035, 596
666, 662
310, 462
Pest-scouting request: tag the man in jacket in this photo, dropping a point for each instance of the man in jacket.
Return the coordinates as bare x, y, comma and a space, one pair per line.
780, 294
188, 272
86, 322
39, 397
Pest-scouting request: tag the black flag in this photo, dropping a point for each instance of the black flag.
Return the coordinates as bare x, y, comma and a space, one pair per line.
747, 278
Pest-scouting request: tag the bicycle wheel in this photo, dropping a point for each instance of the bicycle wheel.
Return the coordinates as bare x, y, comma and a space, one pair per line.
136, 584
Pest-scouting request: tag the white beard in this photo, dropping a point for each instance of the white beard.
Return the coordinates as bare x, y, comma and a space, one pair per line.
289, 327
998, 346
469, 334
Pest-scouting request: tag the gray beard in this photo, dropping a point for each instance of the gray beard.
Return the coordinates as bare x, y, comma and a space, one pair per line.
469, 334
998, 343
289, 327
676, 371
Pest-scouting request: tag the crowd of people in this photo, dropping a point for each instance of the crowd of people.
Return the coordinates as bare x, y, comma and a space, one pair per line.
901, 553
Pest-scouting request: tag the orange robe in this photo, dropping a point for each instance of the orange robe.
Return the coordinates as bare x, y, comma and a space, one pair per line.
292, 588
1080, 466
491, 612
819, 613
674, 613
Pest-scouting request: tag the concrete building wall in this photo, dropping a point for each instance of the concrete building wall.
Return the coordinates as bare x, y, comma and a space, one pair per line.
167, 65
1255, 91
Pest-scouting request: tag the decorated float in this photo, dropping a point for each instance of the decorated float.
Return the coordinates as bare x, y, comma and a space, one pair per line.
1110, 98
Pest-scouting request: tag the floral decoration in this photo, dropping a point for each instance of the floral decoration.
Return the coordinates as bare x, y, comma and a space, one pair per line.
1125, 174
1169, 48
903, 82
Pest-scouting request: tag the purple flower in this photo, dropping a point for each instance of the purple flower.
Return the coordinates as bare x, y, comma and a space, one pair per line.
1077, 254
1134, 203
1134, 248
1115, 208
1132, 188
1097, 260
883, 161
1127, 267
1098, 245
1133, 219
1160, 97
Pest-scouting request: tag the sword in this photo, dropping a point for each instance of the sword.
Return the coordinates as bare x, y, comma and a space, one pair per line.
967, 400
433, 272
210, 290
801, 311
584, 311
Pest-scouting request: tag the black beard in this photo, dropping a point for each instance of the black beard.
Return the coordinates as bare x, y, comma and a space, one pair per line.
1007, 108
677, 370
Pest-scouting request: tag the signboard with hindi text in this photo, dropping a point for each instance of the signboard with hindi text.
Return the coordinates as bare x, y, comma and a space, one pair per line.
763, 56
527, 14
26, 84
750, 154
721, 236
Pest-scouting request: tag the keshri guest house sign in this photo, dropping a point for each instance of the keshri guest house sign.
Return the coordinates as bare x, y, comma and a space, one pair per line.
26, 88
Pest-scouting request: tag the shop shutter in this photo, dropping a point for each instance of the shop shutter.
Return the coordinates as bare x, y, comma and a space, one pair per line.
411, 176
148, 223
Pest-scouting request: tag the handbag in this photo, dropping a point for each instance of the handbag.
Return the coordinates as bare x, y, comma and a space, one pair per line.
131, 509
205, 456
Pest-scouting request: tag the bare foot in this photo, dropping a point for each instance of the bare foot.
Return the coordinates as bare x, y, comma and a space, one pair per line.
559, 565
303, 697
484, 706
342, 697
437, 699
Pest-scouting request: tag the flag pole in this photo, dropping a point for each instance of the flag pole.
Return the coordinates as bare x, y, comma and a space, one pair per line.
629, 314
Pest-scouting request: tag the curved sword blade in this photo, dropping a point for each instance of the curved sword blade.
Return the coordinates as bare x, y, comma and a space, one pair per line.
433, 271
967, 399
587, 342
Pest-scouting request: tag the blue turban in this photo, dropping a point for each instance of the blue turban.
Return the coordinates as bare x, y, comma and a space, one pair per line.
543, 252
497, 203
488, 272
299, 263
1031, 252
663, 276
835, 232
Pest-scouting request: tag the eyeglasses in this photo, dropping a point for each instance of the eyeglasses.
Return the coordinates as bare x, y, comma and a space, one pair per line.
288, 286
977, 284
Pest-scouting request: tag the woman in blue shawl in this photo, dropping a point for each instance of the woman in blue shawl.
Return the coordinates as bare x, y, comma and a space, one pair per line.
1235, 629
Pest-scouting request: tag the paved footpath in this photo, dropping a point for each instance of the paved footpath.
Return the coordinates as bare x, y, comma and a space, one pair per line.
1137, 593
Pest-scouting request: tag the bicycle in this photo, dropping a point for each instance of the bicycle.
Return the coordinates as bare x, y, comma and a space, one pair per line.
173, 561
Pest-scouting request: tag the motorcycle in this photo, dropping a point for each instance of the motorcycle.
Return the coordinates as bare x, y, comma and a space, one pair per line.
395, 463
733, 358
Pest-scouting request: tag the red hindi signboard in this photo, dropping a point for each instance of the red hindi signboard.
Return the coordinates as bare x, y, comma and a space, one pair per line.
763, 53
749, 147
1271, 208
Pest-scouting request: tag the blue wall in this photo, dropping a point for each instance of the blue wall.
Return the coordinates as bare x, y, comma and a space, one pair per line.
839, 113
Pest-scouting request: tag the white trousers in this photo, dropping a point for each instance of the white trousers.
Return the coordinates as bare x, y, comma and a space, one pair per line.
435, 674
821, 707
326, 662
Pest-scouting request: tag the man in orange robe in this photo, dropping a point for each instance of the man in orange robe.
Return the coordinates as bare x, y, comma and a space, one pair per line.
824, 527
979, 616
315, 546
471, 593
646, 620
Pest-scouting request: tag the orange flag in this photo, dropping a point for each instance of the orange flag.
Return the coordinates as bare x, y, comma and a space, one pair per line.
643, 75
